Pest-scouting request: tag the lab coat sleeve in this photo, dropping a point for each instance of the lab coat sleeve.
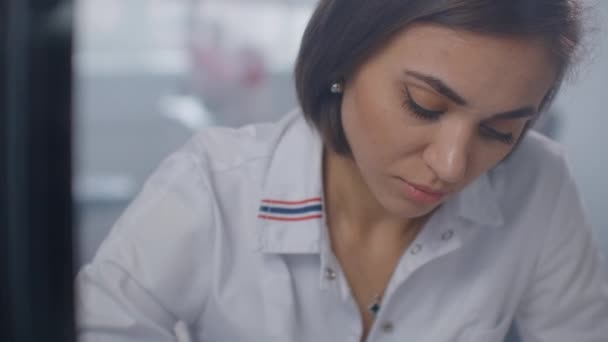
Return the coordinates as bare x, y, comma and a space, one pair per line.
567, 299
153, 269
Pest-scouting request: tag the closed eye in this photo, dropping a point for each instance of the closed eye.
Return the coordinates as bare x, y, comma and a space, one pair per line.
417, 110
485, 131
490, 133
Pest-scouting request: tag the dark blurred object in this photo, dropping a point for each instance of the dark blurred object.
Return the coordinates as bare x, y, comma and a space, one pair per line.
35, 171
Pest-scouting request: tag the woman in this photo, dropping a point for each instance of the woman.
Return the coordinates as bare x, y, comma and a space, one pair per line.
406, 201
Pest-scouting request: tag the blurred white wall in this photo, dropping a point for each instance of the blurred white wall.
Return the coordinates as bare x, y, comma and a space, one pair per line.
583, 107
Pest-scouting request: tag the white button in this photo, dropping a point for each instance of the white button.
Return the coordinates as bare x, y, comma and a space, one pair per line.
387, 327
416, 249
447, 235
330, 274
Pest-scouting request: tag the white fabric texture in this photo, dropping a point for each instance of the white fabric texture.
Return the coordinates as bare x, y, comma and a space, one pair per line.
229, 237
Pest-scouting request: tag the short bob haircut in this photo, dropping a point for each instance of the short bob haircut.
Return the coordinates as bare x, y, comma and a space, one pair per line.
343, 34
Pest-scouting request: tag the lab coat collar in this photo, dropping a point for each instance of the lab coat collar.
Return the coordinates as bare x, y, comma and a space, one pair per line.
479, 203
291, 210
292, 213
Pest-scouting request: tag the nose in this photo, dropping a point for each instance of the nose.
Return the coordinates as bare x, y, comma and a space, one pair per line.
448, 154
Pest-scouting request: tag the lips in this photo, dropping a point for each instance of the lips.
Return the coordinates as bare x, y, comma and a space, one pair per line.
422, 194
428, 190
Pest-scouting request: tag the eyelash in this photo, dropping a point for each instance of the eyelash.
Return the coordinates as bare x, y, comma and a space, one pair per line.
429, 115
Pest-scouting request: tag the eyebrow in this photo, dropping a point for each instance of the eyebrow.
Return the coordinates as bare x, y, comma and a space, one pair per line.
439, 86
442, 88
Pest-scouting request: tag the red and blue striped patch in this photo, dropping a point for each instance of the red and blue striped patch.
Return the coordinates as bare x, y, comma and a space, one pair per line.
279, 210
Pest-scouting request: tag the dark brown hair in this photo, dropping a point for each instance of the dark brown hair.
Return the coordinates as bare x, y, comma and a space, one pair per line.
343, 34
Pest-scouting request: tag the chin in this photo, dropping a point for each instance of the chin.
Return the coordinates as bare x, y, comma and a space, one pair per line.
408, 210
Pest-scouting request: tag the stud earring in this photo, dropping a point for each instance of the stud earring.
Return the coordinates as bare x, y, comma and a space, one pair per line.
337, 88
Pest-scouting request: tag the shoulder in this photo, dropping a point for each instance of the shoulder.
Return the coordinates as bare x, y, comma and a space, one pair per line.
174, 222
569, 278
179, 202
223, 148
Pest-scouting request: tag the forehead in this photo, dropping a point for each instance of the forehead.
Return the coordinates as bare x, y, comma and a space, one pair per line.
488, 71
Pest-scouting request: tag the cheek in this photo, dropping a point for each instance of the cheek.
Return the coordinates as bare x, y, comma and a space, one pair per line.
379, 137
371, 109
367, 144
378, 128
365, 121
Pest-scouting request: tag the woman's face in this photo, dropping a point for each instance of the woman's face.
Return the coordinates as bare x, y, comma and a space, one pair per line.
436, 108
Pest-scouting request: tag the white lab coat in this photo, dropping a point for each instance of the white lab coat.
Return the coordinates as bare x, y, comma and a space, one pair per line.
229, 237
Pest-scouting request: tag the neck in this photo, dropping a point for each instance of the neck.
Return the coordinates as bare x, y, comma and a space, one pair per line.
351, 206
